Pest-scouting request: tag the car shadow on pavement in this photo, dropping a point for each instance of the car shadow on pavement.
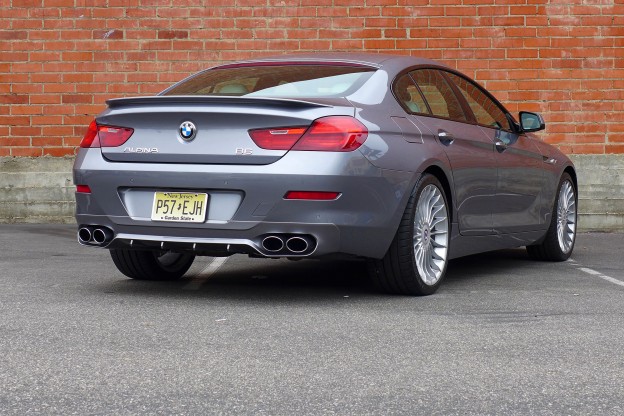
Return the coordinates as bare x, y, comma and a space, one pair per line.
308, 279
487, 264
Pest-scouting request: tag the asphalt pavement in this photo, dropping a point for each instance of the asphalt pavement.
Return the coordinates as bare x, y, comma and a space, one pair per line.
503, 335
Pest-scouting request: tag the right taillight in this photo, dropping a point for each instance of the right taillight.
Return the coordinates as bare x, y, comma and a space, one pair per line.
105, 136
329, 134
333, 134
277, 138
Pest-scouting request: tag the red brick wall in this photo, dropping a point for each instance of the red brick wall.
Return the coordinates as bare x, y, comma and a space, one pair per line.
60, 59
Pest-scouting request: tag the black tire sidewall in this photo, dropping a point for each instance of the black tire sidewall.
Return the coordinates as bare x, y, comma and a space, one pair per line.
145, 265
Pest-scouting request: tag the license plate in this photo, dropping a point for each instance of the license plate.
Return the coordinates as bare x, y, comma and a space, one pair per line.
179, 207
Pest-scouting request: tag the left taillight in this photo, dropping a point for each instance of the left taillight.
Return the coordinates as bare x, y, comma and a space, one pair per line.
105, 136
90, 138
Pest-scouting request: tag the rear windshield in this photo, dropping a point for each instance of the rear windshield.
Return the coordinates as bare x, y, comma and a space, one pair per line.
276, 81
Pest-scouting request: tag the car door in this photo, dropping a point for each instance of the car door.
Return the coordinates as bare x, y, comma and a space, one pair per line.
520, 179
469, 152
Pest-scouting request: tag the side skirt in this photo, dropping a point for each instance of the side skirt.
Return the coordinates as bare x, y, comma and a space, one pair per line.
462, 245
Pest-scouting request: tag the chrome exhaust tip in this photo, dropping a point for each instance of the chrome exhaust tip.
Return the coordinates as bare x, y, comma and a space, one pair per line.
272, 243
297, 244
84, 235
102, 235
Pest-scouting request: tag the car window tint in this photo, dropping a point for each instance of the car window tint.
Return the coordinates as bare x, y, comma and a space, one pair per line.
408, 95
486, 111
439, 95
291, 80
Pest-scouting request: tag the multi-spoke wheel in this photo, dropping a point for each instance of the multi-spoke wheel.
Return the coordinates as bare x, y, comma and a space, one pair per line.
417, 258
151, 265
431, 234
566, 216
559, 240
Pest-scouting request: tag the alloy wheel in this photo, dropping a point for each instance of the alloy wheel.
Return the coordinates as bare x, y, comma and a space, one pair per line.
566, 217
431, 235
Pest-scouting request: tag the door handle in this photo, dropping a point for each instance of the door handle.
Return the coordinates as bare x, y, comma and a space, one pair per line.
445, 137
500, 146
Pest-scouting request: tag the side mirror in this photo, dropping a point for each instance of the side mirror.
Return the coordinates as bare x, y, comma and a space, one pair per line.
531, 122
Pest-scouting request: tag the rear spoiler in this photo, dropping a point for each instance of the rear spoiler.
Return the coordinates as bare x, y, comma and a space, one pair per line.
213, 99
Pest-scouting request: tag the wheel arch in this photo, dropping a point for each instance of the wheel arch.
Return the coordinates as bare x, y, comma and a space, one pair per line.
435, 168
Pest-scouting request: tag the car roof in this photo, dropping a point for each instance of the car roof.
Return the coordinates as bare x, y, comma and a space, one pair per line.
388, 61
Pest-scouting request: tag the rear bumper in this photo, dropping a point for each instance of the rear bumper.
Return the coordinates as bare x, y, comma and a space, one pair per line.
248, 203
224, 242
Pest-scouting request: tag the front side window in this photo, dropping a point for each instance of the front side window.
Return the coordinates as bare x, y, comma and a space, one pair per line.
486, 111
279, 80
439, 95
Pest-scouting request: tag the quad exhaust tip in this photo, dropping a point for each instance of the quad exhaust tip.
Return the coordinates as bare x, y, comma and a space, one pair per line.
102, 235
84, 235
273, 243
297, 244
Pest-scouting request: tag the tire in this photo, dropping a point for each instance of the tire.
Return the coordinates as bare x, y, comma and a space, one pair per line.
416, 261
559, 240
151, 265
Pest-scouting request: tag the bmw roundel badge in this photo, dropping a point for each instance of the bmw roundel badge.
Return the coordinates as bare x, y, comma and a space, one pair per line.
188, 131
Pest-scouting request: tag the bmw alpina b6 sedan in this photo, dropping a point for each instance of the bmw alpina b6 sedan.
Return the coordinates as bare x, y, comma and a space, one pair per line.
400, 161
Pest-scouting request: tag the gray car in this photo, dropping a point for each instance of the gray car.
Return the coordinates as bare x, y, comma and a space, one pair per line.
400, 161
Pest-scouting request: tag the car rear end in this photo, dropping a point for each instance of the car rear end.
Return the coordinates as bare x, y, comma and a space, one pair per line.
256, 158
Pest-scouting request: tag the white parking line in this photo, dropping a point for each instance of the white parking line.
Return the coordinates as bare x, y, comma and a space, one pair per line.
602, 276
203, 276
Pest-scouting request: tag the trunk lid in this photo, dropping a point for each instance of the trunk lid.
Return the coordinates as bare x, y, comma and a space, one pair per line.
221, 127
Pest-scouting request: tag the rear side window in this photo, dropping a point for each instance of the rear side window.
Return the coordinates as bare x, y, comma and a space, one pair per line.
439, 95
292, 80
408, 95
486, 111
